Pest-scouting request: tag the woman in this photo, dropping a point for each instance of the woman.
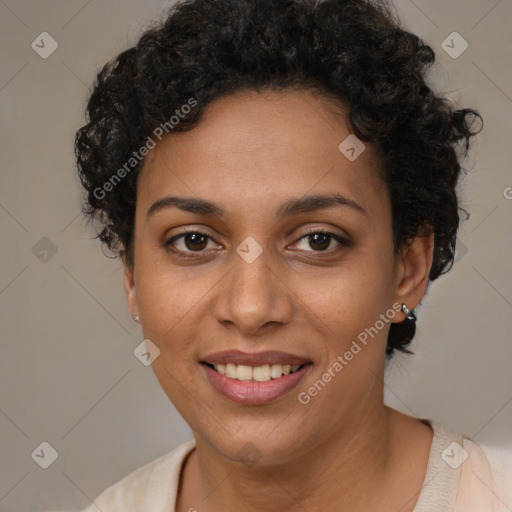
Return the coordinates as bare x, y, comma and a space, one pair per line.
279, 181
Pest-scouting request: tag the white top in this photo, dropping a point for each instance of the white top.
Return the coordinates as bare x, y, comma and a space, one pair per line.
459, 478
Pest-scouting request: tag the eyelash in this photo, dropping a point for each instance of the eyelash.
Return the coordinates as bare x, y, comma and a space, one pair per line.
343, 242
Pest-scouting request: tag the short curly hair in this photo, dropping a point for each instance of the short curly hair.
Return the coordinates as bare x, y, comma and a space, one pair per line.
352, 51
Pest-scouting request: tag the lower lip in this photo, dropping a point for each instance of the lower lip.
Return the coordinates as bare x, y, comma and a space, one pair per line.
254, 393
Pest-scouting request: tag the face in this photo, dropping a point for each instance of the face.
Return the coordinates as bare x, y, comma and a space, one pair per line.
249, 285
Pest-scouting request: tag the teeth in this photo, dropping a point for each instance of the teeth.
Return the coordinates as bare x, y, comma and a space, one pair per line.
276, 371
258, 373
261, 373
243, 372
230, 370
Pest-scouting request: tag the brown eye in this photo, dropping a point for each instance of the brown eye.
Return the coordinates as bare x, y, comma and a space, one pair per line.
320, 241
195, 241
192, 241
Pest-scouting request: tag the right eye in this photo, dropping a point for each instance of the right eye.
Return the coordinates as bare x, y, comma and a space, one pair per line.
189, 242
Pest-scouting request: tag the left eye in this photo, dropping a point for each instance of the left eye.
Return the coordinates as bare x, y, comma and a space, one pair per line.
321, 240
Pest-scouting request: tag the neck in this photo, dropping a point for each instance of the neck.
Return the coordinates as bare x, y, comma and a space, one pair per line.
346, 471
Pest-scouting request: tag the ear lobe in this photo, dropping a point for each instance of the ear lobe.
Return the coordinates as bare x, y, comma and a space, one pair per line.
129, 289
415, 262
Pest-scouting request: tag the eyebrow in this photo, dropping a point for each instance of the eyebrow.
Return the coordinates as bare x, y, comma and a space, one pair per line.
291, 207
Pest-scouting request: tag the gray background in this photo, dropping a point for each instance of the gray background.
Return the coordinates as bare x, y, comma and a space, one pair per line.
69, 376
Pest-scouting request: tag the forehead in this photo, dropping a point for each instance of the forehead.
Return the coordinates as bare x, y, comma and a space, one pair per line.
254, 148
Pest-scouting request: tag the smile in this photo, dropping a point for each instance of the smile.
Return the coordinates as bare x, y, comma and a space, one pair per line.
257, 373
254, 379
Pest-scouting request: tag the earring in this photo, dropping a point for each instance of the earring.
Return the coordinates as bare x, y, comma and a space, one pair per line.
135, 318
409, 315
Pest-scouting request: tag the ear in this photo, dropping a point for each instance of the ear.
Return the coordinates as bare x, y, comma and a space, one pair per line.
129, 288
414, 262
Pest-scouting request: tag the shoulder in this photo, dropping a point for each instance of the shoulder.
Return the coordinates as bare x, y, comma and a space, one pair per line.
486, 478
462, 477
150, 487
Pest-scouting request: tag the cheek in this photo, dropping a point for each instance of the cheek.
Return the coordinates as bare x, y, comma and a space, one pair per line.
169, 295
350, 297
349, 304
168, 306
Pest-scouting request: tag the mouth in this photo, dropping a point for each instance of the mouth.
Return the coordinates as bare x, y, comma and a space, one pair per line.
254, 379
263, 373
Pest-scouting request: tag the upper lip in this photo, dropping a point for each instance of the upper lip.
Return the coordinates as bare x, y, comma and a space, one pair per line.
254, 358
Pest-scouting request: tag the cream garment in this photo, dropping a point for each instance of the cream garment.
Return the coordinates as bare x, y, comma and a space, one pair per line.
449, 486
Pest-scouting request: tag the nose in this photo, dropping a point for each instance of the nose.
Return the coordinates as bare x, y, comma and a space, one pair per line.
253, 297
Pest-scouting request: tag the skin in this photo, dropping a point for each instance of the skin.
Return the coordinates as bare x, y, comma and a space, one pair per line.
344, 450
